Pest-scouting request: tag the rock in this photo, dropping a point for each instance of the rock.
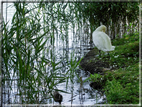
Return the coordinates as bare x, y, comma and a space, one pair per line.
98, 85
92, 64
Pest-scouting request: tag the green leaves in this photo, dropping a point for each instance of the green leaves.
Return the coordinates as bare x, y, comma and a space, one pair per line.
109, 14
27, 52
93, 78
115, 92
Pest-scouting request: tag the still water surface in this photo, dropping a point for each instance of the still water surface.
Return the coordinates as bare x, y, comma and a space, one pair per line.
79, 45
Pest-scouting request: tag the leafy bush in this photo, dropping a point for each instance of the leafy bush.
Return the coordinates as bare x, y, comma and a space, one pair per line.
115, 92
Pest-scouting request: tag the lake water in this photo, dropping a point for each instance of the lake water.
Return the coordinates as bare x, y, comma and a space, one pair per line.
77, 44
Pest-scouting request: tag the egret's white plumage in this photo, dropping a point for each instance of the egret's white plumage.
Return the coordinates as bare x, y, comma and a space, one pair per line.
101, 40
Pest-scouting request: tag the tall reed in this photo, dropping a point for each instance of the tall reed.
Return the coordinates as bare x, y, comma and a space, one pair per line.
29, 52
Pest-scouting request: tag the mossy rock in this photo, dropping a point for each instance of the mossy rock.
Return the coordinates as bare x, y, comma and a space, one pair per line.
92, 64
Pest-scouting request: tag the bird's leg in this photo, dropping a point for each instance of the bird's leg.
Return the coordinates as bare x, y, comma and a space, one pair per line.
108, 58
108, 53
99, 53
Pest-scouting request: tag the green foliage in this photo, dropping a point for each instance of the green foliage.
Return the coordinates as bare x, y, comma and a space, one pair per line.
122, 86
115, 92
73, 66
126, 51
109, 14
93, 78
121, 83
133, 37
26, 54
104, 11
24, 43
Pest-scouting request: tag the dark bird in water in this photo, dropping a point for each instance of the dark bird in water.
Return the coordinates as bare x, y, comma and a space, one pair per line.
57, 97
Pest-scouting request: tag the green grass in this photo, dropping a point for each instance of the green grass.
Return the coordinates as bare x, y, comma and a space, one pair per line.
122, 82
126, 52
122, 86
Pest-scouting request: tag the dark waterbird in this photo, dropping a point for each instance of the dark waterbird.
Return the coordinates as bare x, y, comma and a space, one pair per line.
57, 97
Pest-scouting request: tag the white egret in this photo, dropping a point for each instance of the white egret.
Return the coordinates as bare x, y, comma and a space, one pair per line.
101, 40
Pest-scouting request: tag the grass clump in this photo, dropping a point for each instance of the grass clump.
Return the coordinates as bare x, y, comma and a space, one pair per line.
122, 81
114, 91
126, 53
122, 85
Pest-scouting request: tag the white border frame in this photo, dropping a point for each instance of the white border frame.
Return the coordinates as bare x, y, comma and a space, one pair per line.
37, 1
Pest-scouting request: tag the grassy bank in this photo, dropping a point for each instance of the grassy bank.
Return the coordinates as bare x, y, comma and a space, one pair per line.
122, 81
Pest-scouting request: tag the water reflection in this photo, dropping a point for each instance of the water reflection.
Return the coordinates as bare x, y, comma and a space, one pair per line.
62, 50
78, 92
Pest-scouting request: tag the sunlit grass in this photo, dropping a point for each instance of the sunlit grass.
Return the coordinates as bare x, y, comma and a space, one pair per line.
125, 80
126, 77
122, 82
125, 53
